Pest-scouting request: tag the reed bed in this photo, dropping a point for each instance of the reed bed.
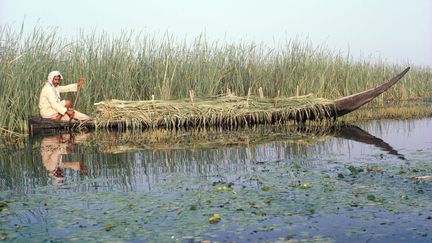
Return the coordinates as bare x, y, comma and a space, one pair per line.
228, 111
138, 66
410, 111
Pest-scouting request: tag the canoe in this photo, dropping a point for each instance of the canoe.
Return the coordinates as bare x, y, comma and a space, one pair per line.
340, 107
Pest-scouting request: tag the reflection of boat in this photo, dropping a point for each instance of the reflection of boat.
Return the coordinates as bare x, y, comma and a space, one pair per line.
214, 138
359, 135
337, 108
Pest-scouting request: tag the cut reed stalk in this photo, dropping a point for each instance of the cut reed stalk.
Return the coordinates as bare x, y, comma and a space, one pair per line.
227, 111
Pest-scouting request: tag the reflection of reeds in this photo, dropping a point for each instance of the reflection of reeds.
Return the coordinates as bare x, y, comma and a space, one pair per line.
204, 138
135, 67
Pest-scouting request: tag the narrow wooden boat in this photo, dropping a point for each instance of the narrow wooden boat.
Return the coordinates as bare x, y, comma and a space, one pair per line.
340, 107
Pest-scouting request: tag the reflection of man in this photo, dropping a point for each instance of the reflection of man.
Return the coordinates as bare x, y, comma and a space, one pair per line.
52, 150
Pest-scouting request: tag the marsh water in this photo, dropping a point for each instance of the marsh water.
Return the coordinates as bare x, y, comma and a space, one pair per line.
371, 182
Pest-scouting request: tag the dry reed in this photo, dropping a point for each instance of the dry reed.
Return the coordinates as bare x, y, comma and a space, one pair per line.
221, 111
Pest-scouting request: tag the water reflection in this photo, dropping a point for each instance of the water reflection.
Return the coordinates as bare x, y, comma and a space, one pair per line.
359, 135
298, 136
53, 151
106, 161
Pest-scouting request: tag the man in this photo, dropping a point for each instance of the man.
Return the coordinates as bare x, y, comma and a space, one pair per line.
50, 104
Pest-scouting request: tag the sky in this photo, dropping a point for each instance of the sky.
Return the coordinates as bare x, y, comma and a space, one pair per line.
394, 31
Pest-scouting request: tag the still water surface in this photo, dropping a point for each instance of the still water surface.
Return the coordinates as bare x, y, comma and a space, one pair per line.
353, 183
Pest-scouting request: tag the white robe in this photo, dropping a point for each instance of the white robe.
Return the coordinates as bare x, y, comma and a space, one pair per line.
49, 100
50, 103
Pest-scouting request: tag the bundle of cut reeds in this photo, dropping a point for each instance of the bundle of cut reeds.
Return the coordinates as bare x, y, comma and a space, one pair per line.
221, 111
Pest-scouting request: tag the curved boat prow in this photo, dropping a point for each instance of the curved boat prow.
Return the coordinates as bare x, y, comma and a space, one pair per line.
350, 103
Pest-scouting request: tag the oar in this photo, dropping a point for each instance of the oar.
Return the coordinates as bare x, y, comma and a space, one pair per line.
76, 98
76, 101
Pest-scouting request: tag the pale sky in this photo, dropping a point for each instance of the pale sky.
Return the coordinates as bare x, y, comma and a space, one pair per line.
397, 31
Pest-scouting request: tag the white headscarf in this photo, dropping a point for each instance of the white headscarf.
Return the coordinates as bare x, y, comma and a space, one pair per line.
51, 76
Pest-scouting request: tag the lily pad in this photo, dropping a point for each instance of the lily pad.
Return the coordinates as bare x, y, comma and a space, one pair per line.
214, 219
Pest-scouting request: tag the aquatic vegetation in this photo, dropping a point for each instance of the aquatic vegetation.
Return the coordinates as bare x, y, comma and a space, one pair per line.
141, 67
214, 219
390, 111
185, 207
271, 189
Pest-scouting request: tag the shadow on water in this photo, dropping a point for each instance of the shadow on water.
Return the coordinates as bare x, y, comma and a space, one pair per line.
135, 161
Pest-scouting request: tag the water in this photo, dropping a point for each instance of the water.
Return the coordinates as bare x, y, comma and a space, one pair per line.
366, 183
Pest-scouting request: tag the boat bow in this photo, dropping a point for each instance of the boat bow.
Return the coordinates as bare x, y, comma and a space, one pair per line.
350, 103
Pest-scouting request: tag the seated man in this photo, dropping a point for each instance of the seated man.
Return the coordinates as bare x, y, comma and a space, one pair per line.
50, 104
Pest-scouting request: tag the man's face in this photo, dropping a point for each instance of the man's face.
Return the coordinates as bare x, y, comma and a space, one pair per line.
56, 81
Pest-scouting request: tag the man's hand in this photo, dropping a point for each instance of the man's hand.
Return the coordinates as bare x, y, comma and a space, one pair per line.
67, 103
70, 113
80, 83
58, 117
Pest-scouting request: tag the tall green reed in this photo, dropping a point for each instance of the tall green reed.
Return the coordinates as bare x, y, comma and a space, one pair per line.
136, 66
